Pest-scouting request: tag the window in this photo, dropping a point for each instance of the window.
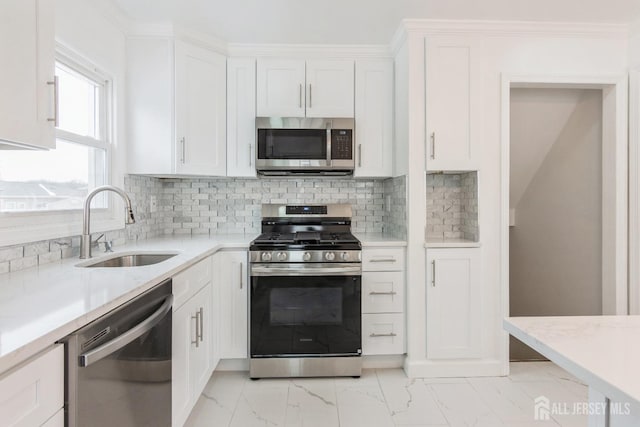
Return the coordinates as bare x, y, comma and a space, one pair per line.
59, 179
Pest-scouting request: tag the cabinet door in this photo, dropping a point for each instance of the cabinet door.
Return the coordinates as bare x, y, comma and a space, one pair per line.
280, 90
454, 300
241, 117
330, 88
34, 392
183, 338
200, 111
234, 331
453, 102
27, 72
201, 359
374, 118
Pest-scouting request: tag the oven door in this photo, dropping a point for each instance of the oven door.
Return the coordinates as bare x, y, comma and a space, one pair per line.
305, 313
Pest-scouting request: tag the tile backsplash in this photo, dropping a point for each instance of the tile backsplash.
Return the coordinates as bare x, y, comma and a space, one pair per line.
226, 205
452, 206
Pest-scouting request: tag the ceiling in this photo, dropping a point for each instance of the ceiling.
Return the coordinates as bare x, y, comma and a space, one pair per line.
357, 21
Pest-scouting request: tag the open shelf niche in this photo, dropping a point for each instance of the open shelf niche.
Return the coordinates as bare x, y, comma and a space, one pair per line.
452, 209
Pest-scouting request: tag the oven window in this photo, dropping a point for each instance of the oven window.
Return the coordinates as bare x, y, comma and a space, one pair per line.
286, 144
306, 306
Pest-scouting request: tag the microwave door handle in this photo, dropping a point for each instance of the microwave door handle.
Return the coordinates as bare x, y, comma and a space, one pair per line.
328, 144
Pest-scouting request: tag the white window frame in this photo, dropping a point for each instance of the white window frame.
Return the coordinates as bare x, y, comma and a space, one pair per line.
23, 227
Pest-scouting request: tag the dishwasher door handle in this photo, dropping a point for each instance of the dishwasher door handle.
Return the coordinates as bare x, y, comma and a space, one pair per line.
117, 343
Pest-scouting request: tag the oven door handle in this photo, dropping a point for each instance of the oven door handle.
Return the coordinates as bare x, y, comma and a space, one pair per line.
117, 343
323, 270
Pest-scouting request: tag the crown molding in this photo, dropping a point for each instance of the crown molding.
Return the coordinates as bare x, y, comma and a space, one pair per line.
309, 50
518, 28
424, 27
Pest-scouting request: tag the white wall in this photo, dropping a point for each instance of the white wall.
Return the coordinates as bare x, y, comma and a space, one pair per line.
511, 50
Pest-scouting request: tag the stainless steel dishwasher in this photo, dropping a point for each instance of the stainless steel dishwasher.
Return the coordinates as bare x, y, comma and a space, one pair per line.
118, 367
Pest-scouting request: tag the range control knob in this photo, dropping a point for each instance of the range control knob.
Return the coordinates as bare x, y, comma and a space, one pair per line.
266, 256
329, 256
282, 256
306, 256
344, 256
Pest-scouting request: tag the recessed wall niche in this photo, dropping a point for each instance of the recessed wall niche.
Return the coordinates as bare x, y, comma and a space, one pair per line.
452, 207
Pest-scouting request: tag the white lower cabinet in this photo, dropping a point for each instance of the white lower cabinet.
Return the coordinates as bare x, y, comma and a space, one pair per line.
382, 333
192, 347
383, 296
32, 394
234, 310
453, 303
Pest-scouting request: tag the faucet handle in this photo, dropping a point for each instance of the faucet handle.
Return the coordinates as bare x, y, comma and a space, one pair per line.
95, 243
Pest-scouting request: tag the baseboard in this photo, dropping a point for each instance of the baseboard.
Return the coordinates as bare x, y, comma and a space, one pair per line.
233, 365
383, 362
454, 368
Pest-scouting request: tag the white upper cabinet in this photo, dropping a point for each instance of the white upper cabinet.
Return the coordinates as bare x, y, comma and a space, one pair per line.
280, 88
241, 117
295, 88
374, 118
454, 302
176, 108
330, 88
200, 111
453, 102
27, 89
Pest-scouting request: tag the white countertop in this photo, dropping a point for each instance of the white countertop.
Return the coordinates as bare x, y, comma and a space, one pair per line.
379, 239
602, 351
41, 305
451, 243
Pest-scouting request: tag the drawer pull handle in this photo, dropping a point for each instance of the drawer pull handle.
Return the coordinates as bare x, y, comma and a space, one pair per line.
201, 314
383, 260
382, 335
196, 319
383, 293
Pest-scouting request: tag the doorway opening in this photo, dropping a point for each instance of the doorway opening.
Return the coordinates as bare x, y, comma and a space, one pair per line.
566, 200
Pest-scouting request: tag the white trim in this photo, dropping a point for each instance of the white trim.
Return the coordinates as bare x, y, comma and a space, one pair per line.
506, 28
616, 83
634, 192
518, 28
309, 51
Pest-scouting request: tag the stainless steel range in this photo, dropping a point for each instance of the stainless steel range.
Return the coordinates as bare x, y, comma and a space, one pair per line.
305, 293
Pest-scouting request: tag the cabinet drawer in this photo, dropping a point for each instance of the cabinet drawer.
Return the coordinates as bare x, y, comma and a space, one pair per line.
382, 334
383, 259
188, 282
34, 392
383, 292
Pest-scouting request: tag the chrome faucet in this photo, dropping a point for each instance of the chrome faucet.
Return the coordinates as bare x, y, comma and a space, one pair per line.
85, 240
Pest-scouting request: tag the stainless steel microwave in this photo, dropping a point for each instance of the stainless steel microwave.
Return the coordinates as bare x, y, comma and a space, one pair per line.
304, 146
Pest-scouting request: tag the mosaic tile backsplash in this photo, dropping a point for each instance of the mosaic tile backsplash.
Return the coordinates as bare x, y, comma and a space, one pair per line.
452, 206
226, 205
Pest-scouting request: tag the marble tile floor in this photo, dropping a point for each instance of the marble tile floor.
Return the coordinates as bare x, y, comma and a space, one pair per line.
386, 397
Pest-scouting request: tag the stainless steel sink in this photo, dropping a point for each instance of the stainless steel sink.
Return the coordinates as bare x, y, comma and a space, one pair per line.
130, 260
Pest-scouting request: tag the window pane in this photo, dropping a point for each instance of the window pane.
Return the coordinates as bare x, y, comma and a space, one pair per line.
51, 180
78, 103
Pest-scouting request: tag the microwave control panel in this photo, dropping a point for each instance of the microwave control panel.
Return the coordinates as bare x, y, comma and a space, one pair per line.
341, 144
